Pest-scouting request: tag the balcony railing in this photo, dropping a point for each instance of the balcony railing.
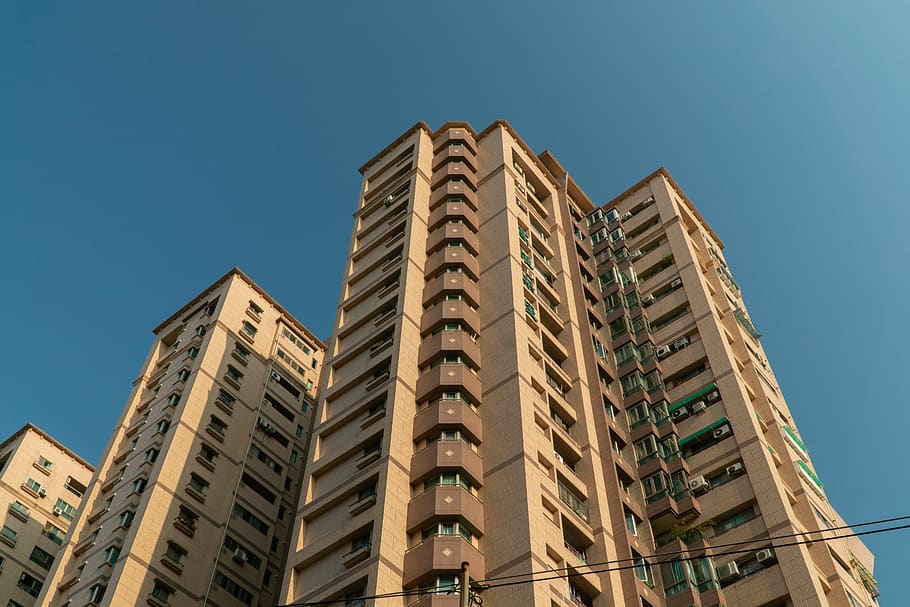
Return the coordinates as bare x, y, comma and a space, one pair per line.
574, 502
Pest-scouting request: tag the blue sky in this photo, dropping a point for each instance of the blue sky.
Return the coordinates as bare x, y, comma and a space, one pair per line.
146, 148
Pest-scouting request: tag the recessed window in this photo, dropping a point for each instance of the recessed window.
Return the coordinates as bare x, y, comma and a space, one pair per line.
198, 483
126, 518
249, 329
200, 330
29, 584
139, 485
96, 593
174, 399
161, 591
112, 554
174, 553
151, 455
44, 463
66, 511
43, 558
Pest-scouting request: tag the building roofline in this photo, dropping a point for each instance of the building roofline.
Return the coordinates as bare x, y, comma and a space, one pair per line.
666, 175
418, 126
235, 271
30, 426
521, 142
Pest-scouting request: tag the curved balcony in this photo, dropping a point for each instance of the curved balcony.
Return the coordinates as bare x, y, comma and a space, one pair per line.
448, 377
451, 256
441, 554
452, 231
448, 412
445, 502
455, 151
448, 341
447, 311
454, 189
446, 455
454, 170
451, 283
452, 136
453, 210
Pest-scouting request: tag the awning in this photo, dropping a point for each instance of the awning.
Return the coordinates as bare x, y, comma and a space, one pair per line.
721, 422
691, 398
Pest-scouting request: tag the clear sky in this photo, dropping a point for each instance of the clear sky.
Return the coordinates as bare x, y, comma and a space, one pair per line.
146, 148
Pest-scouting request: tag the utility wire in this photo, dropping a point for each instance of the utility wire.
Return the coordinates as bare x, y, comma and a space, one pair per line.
712, 546
484, 585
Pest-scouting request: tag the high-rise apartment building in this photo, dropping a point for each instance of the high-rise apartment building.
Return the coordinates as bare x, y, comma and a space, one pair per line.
193, 501
530, 382
41, 486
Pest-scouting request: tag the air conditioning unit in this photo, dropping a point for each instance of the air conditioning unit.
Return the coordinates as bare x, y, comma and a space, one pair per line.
636, 254
677, 282
730, 571
765, 557
699, 406
736, 469
647, 300
275, 375
626, 215
57, 511
722, 431
713, 396
681, 343
240, 555
42, 492
699, 484
680, 413
662, 352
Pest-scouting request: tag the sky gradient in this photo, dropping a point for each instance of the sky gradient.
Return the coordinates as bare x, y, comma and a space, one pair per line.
146, 148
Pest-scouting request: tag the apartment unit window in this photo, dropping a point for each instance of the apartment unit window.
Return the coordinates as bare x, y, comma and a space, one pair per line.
193, 352
447, 528
111, 554
254, 310
53, 533
233, 588
198, 483
242, 352
735, 520
33, 485
151, 455
448, 479
163, 426
44, 559
174, 399
249, 329
174, 553
183, 374
66, 511
263, 457
642, 569
8, 535
29, 584
139, 485
301, 345
254, 521
74, 486
631, 523
126, 518
442, 584
217, 425
241, 551
232, 374
187, 518
294, 456
226, 398
96, 593
161, 591
207, 453
44, 463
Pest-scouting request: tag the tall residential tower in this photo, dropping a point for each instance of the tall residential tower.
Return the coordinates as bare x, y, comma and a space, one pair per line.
530, 382
41, 486
192, 503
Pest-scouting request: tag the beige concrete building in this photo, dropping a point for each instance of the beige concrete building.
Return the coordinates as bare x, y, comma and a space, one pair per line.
192, 503
530, 382
41, 486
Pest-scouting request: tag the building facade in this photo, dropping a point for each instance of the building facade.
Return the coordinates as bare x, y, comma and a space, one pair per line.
192, 503
550, 390
41, 486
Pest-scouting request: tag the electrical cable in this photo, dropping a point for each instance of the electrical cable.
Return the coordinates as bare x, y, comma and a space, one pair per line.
484, 585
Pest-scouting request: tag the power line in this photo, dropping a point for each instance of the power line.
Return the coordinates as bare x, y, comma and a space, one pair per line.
483, 585
727, 545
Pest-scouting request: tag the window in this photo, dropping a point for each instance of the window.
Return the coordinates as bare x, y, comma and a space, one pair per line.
243, 352
32, 485
8, 535
226, 398
198, 483
111, 554
151, 455
734, 520
29, 584
74, 486
448, 479
266, 459
44, 559
248, 557
249, 329
174, 399
631, 523
66, 511
254, 521
443, 584
294, 457
187, 517
126, 518
193, 352
139, 485
53, 533
161, 591
217, 425
447, 528
174, 552
642, 569
232, 374
183, 374
299, 432
233, 588
44, 463
96, 593
208, 453
254, 310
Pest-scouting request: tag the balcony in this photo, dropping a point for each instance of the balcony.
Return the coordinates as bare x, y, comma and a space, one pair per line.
452, 171
356, 555
448, 377
453, 210
452, 256
448, 341
445, 501
454, 283
454, 190
448, 412
441, 553
446, 311
452, 232
447, 455
575, 503
20, 511
455, 151
362, 504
